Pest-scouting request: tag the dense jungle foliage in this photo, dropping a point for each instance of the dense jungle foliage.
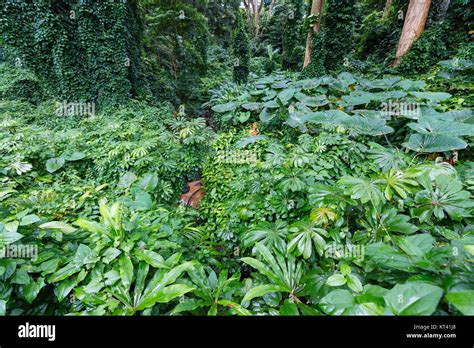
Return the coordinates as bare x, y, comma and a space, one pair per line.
340, 188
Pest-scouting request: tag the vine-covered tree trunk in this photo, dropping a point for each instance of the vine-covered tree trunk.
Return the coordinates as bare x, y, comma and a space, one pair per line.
415, 20
79, 51
316, 10
241, 51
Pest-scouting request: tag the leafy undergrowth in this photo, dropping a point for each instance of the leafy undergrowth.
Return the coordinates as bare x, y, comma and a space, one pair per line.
348, 196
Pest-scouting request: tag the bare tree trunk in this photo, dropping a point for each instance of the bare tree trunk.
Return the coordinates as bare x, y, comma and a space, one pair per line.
443, 10
386, 9
415, 21
253, 9
316, 10
257, 16
270, 8
247, 10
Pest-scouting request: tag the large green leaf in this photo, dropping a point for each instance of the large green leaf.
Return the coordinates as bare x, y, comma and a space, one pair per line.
434, 143
337, 302
387, 256
305, 235
261, 290
354, 283
358, 124
286, 95
7, 235
84, 255
143, 201
221, 108
417, 245
289, 309
54, 164
357, 98
432, 96
428, 125
148, 182
32, 290
65, 272
249, 140
463, 301
65, 287
167, 294
361, 188
154, 290
29, 220
261, 267
126, 270
93, 226
252, 106
384, 83
448, 197
127, 179
152, 258
58, 225
410, 85
413, 298
336, 280
312, 101
367, 308
271, 235
75, 156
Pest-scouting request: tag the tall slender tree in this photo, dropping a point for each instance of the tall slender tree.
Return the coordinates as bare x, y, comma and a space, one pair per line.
316, 11
415, 20
253, 9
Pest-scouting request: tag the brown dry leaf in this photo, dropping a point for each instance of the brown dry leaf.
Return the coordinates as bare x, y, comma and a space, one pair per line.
254, 130
194, 195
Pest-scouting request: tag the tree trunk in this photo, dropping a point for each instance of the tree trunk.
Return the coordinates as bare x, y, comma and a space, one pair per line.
386, 9
253, 9
247, 10
415, 21
443, 9
270, 8
316, 10
257, 16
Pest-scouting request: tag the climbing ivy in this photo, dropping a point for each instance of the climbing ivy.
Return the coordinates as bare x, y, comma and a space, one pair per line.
336, 42
241, 50
285, 32
80, 50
